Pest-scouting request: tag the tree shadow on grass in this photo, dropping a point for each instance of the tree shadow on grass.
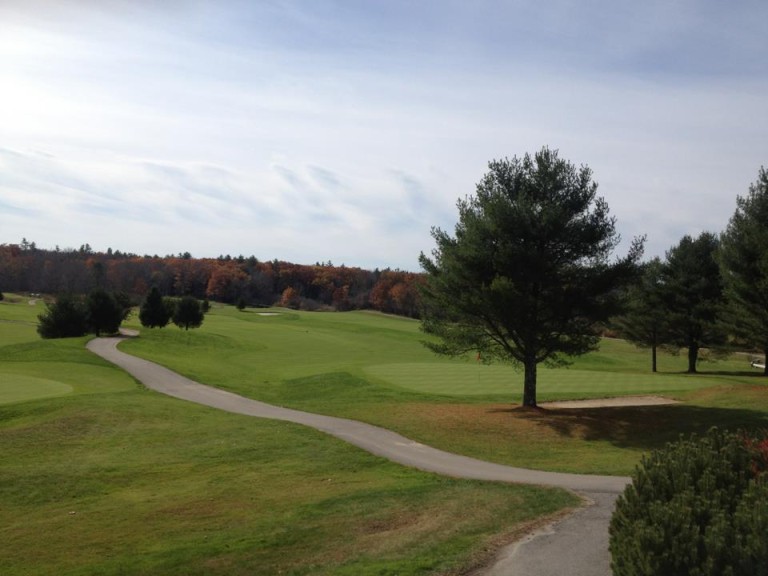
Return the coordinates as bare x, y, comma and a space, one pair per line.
641, 427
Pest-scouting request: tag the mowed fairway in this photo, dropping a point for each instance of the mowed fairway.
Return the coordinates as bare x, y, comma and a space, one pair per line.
374, 368
110, 478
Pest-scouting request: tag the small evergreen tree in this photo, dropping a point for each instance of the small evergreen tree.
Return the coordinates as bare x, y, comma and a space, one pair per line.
124, 301
65, 318
153, 312
693, 296
188, 313
105, 313
644, 320
170, 303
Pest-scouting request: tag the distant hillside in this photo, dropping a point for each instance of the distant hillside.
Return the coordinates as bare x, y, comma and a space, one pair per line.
26, 268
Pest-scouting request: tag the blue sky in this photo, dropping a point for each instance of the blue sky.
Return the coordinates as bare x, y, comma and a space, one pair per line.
344, 130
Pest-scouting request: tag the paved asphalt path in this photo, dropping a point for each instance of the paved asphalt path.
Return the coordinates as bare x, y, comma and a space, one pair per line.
576, 545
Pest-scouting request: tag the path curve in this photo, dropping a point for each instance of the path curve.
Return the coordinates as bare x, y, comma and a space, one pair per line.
589, 544
374, 439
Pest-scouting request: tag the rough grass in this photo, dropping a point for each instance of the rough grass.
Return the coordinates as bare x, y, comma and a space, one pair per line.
115, 479
154, 486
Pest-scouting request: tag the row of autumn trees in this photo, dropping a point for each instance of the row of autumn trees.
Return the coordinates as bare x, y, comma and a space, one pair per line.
25, 267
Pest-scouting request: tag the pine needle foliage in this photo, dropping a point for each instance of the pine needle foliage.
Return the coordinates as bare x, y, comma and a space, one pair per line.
528, 274
697, 507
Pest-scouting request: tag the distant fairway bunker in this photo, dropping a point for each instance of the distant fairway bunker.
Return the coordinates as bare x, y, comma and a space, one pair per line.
22, 388
473, 379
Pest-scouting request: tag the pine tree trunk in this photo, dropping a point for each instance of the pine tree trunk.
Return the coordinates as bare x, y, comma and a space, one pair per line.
693, 355
529, 383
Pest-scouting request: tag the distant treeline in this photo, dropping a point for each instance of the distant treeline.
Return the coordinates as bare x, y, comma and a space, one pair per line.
26, 268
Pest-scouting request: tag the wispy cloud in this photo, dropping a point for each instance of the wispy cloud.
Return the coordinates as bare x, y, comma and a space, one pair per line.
344, 131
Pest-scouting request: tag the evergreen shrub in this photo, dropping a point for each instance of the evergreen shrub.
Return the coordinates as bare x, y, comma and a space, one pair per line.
698, 507
67, 317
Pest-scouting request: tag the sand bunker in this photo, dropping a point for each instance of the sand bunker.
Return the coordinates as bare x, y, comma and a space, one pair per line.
611, 402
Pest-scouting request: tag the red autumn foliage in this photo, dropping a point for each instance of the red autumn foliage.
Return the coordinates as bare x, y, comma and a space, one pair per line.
758, 447
27, 268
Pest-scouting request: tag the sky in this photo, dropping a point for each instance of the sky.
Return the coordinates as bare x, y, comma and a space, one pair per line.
343, 131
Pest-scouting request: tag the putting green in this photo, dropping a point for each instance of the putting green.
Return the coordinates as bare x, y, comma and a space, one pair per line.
20, 388
470, 379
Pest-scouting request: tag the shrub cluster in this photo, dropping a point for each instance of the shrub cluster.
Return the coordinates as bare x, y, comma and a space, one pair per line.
187, 312
100, 312
698, 507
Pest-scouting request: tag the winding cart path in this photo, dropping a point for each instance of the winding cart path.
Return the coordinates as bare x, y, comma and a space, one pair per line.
581, 542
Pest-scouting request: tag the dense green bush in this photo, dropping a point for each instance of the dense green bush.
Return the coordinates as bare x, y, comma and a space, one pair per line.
65, 318
154, 311
188, 313
105, 313
699, 507
99, 312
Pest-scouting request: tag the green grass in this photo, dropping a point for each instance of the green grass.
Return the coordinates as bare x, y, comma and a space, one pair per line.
260, 351
372, 367
16, 387
17, 316
121, 480
483, 380
114, 479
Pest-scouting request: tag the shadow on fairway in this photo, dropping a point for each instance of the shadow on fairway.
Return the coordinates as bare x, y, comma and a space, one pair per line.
642, 427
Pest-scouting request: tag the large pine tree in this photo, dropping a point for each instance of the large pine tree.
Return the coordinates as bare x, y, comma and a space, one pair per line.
527, 274
644, 321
